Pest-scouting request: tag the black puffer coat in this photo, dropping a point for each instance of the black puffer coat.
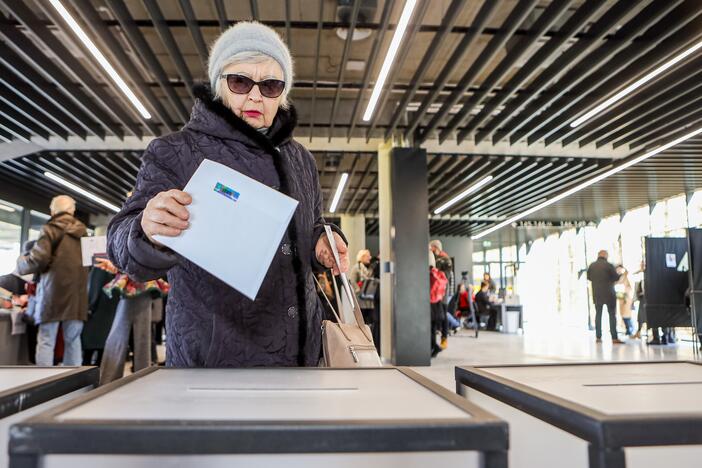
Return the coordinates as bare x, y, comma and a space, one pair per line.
210, 324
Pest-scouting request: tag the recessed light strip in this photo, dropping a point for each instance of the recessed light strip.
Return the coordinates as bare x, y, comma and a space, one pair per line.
389, 58
588, 183
463, 194
339, 191
92, 48
636, 84
81, 191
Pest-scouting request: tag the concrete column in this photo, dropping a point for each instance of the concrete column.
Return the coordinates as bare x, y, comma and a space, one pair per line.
404, 238
384, 228
354, 227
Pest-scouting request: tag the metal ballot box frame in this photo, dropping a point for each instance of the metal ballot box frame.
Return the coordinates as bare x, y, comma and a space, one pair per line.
28, 390
299, 412
29, 386
612, 406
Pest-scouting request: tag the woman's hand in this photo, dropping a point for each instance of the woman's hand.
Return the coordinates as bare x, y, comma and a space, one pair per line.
325, 256
166, 214
107, 265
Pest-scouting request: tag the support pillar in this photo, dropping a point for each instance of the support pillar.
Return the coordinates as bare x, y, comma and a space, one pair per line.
354, 227
404, 239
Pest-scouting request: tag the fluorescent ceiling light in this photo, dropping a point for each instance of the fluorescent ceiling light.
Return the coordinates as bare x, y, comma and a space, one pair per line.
7, 208
82, 191
463, 194
90, 45
339, 191
587, 183
389, 58
637, 84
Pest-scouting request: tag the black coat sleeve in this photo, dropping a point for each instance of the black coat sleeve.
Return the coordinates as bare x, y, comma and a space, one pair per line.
127, 245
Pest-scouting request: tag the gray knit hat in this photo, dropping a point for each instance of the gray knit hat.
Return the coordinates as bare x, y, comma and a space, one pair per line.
249, 36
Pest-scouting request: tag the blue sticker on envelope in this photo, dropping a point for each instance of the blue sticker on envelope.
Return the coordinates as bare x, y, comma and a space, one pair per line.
226, 191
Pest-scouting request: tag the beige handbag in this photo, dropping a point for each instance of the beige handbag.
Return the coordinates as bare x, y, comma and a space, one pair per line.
345, 344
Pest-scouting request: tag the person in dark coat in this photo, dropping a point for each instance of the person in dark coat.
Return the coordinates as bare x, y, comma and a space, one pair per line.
243, 121
102, 312
62, 293
603, 275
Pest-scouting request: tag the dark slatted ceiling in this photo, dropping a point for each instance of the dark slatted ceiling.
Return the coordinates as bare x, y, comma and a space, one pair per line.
491, 72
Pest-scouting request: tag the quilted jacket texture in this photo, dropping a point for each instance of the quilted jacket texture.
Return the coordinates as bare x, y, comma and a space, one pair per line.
208, 323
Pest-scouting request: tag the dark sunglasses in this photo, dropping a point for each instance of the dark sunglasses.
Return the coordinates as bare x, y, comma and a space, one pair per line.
240, 84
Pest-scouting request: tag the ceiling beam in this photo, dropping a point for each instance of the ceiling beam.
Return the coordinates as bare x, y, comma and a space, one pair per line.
518, 14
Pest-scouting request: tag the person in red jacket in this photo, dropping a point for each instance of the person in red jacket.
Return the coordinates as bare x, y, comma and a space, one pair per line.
437, 287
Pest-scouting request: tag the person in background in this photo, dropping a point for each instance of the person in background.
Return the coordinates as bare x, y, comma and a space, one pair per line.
102, 310
482, 302
437, 291
603, 276
625, 299
134, 311
360, 273
464, 301
444, 264
641, 309
62, 292
492, 288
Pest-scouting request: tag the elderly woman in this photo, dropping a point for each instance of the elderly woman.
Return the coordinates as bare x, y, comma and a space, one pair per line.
243, 120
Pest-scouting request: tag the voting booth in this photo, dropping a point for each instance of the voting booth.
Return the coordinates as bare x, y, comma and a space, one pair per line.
27, 390
666, 282
293, 417
599, 415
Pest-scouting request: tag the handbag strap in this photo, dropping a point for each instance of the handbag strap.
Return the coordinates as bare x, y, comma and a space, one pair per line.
346, 285
338, 319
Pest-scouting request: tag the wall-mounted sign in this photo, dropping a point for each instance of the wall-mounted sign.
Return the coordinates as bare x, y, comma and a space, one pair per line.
563, 224
670, 260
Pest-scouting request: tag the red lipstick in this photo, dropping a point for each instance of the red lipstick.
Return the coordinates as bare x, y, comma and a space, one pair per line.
252, 113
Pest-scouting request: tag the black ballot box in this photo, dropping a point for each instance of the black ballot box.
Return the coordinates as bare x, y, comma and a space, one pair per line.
645, 414
293, 417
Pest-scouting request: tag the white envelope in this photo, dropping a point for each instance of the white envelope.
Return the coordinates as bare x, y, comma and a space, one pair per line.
236, 225
90, 246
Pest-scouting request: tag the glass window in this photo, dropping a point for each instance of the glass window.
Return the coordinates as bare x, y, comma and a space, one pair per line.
635, 227
478, 271
694, 210
676, 216
478, 257
522, 252
509, 254
10, 236
658, 219
36, 220
492, 255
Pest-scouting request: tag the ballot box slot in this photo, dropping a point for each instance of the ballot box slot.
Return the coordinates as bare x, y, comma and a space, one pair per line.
263, 389
635, 384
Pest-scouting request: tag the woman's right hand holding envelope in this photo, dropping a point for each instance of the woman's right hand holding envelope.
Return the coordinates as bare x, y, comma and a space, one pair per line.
166, 214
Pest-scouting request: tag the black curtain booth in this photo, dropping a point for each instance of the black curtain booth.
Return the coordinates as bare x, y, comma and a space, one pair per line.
666, 281
694, 239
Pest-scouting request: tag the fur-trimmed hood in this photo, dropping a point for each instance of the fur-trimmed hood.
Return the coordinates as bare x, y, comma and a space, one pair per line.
210, 116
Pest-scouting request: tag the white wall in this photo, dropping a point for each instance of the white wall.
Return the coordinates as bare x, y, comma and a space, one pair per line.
461, 249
